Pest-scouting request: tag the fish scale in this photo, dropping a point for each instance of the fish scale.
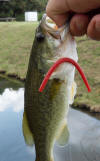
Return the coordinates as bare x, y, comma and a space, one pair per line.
45, 113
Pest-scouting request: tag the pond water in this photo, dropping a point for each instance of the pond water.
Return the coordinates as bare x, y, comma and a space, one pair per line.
84, 142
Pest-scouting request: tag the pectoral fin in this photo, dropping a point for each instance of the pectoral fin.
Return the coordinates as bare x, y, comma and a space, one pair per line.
28, 136
72, 92
63, 137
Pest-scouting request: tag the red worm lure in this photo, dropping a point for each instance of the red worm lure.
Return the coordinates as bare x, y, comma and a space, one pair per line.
57, 63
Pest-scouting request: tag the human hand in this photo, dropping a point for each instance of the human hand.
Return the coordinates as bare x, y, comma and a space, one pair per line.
81, 22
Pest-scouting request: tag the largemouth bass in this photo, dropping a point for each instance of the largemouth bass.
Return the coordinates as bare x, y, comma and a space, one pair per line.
44, 120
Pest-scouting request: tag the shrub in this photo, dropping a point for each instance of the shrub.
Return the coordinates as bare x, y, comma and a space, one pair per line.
40, 14
20, 17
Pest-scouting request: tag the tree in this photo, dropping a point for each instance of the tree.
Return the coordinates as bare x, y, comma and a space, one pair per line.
18, 7
5, 10
38, 5
15, 8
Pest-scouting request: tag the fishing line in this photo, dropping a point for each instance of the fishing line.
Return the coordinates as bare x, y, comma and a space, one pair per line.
56, 64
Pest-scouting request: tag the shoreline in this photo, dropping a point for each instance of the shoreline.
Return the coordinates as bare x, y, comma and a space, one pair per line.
15, 47
85, 107
15, 77
75, 105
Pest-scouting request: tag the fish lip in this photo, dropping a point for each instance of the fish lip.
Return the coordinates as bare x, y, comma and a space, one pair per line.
43, 19
55, 33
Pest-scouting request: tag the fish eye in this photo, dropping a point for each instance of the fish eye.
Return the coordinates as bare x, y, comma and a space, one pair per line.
40, 37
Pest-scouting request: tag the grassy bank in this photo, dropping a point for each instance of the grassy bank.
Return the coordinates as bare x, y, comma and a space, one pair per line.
89, 59
15, 44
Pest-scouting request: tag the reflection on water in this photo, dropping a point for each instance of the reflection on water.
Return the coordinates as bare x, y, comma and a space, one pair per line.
84, 142
12, 145
9, 83
12, 99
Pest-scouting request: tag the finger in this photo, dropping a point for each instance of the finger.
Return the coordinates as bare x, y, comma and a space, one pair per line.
93, 30
60, 20
79, 24
58, 11
83, 6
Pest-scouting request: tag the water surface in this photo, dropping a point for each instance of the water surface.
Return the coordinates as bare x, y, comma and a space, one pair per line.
84, 142
12, 145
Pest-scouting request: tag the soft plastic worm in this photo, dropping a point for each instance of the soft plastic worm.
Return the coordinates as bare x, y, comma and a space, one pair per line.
57, 63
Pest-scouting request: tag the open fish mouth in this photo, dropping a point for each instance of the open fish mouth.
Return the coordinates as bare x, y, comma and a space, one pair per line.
51, 28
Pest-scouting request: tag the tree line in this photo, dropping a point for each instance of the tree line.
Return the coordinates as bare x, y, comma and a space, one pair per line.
17, 8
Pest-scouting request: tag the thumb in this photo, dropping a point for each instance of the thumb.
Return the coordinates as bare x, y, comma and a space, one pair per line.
58, 11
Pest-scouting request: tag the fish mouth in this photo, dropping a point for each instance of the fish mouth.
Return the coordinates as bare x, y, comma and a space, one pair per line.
51, 28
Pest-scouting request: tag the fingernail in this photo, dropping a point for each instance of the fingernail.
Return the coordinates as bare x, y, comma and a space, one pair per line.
97, 26
80, 26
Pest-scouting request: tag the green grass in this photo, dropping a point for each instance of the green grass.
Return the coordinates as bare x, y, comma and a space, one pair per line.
89, 59
15, 44
16, 40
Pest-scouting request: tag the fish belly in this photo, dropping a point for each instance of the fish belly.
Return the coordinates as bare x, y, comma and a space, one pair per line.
46, 114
